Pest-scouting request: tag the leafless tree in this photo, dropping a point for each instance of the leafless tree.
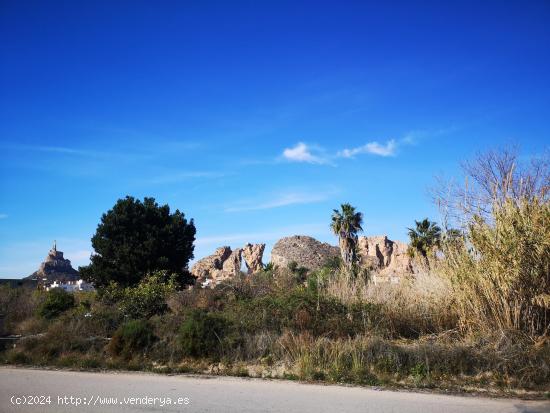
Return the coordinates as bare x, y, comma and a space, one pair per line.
492, 178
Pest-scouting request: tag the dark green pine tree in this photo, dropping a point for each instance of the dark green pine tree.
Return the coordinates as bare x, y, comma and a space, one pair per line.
135, 238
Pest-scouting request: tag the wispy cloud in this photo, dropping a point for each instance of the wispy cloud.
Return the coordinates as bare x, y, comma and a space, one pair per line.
313, 154
65, 150
414, 137
282, 200
317, 155
181, 176
374, 148
304, 153
263, 236
125, 152
3, 216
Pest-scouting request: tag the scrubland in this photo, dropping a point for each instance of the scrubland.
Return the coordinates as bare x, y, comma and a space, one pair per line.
474, 317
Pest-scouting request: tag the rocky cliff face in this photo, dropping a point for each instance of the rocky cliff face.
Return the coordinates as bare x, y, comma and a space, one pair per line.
55, 267
252, 254
305, 251
226, 263
384, 255
232, 265
209, 267
386, 258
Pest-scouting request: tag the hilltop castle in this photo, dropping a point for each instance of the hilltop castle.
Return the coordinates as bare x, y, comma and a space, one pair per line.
54, 268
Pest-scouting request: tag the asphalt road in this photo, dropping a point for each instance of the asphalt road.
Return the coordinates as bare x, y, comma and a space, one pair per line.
140, 392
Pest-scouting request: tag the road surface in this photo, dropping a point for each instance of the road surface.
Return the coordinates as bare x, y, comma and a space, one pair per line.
66, 391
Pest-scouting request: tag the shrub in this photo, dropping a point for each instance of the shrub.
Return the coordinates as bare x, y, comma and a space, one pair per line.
18, 357
502, 273
57, 301
500, 270
132, 337
204, 334
18, 304
299, 272
303, 309
103, 320
146, 299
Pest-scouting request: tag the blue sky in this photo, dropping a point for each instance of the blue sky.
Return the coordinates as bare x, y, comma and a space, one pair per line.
254, 118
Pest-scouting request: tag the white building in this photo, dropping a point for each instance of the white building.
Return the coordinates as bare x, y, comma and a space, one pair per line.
72, 286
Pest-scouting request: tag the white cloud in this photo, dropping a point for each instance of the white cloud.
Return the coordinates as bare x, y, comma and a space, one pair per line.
65, 150
373, 148
302, 153
282, 200
3, 216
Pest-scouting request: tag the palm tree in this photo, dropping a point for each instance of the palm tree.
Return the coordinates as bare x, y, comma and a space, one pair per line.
346, 223
425, 236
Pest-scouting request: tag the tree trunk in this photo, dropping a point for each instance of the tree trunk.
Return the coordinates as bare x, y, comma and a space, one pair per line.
346, 251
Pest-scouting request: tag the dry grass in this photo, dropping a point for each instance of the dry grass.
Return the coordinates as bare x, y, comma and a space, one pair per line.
501, 274
501, 362
418, 305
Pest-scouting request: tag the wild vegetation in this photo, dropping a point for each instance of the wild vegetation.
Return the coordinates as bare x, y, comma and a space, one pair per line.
476, 314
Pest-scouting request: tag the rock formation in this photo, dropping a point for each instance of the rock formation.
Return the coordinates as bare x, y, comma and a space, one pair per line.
387, 258
384, 255
252, 254
55, 268
209, 267
232, 265
306, 251
226, 263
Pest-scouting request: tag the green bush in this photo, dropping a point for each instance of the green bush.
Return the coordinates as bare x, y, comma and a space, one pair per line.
204, 334
301, 310
146, 299
300, 273
133, 337
57, 301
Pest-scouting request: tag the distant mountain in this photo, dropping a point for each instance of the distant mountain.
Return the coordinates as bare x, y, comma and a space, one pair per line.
55, 267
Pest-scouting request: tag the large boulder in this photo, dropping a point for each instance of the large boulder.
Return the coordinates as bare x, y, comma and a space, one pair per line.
252, 254
306, 251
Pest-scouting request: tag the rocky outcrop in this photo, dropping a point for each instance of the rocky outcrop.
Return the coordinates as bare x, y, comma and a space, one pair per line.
384, 255
232, 265
54, 268
209, 267
306, 251
253, 254
225, 263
